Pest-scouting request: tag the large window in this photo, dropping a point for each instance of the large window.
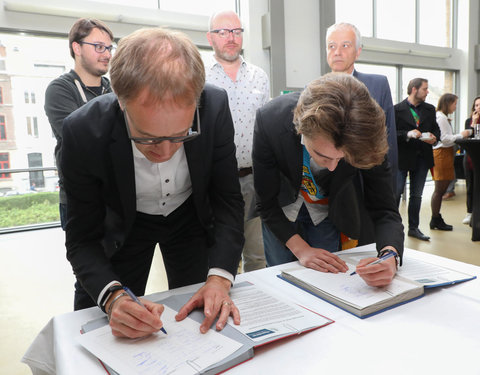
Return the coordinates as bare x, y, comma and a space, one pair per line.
438, 33
359, 13
414, 21
36, 178
439, 82
3, 128
4, 164
204, 7
32, 126
389, 71
396, 20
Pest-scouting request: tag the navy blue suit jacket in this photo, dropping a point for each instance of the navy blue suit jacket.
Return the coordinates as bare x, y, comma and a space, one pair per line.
379, 90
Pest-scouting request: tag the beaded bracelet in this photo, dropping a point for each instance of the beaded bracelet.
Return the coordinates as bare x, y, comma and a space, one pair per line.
109, 313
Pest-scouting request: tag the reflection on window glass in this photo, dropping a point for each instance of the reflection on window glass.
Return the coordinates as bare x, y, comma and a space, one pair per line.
437, 31
439, 82
389, 71
357, 12
396, 20
204, 7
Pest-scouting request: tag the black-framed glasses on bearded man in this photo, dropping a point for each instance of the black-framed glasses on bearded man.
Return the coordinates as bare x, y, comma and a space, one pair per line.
192, 133
101, 48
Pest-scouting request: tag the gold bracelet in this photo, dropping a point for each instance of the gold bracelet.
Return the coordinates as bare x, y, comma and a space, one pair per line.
109, 313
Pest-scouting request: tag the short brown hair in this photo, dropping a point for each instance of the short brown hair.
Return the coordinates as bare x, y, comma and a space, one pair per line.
82, 28
445, 101
417, 83
164, 62
339, 107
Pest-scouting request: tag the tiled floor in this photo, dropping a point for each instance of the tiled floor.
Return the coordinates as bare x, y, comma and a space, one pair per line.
36, 281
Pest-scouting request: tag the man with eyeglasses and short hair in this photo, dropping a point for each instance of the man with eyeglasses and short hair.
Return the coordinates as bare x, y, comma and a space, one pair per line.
344, 45
248, 89
91, 46
152, 164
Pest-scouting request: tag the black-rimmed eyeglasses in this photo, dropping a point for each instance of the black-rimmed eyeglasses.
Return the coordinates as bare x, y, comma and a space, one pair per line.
191, 134
225, 33
100, 48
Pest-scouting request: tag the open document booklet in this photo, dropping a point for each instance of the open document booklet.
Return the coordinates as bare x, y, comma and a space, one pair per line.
352, 294
265, 318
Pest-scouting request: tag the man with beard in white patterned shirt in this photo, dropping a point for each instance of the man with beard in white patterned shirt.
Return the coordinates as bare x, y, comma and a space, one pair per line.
248, 89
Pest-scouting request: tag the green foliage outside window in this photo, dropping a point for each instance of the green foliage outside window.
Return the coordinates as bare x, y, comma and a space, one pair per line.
29, 209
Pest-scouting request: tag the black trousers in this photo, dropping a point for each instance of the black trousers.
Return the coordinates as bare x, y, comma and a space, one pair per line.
469, 183
182, 241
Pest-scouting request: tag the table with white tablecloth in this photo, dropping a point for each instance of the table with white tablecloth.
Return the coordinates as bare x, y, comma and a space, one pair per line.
436, 334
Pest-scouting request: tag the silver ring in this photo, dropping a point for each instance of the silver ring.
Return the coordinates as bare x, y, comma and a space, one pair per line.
225, 303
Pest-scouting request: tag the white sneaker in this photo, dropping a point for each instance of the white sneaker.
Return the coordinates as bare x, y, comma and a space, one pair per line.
467, 219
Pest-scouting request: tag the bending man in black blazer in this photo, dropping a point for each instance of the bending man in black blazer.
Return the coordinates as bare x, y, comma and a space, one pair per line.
132, 181
309, 151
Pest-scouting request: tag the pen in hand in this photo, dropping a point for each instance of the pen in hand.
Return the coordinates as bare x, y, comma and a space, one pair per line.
380, 260
135, 298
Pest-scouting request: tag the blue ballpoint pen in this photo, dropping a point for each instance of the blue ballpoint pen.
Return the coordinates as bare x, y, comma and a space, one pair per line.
135, 298
380, 260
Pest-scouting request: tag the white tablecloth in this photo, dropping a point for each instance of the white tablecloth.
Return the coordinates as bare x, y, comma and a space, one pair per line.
436, 334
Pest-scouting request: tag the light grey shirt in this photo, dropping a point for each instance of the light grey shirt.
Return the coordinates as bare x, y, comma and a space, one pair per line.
250, 91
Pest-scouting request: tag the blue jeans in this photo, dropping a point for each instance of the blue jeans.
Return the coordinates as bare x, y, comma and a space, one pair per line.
62, 207
417, 183
323, 235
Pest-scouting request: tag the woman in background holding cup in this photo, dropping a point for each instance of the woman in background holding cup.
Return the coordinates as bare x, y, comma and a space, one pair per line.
472, 123
443, 156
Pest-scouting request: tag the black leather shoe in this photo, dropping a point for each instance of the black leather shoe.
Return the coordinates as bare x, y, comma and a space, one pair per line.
415, 232
438, 223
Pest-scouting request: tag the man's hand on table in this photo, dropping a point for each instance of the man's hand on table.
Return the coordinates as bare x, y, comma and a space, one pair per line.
215, 299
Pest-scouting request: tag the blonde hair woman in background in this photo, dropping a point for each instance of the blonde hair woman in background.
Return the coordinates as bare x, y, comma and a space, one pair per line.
443, 155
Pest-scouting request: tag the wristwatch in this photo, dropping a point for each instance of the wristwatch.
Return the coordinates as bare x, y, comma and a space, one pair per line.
108, 293
395, 255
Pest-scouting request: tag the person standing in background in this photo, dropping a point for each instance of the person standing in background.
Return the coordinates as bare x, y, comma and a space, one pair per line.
467, 161
443, 155
417, 131
248, 89
344, 45
91, 46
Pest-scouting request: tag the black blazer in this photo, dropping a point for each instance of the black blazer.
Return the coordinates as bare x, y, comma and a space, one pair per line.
367, 213
410, 149
99, 178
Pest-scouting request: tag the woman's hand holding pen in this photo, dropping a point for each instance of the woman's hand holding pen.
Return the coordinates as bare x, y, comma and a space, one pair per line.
130, 319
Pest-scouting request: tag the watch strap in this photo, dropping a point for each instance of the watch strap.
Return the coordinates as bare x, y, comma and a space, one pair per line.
388, 251
108, 294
